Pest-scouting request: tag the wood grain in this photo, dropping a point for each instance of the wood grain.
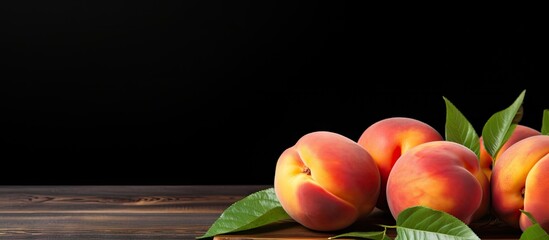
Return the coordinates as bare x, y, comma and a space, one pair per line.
113, 212
155, 212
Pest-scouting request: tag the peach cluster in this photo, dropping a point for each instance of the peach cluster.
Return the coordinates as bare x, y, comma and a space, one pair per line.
327, 181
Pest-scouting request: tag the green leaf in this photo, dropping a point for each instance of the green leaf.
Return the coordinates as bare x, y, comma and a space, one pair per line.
426, 223
458, 129
545, 122
530, 216
535, 231
381, 235
501, 124
255, 210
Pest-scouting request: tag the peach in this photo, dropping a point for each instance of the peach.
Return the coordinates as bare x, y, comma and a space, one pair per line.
519, 181
443, 175
326, 181
387, 139
487, 161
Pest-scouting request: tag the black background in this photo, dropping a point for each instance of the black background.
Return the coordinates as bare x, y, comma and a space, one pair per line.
205, 92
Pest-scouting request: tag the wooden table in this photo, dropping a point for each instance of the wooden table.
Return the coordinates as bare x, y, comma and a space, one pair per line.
144, 212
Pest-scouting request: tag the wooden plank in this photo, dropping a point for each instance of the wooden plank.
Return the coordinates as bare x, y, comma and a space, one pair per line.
156, 212
113, 212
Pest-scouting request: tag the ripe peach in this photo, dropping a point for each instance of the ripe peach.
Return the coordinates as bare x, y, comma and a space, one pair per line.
487, 162
519, 181
326, 181
443, 175
387, 139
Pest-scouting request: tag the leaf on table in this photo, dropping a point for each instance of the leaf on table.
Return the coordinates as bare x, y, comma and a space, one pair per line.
256, 210
458, 129
426, 223
377, 235
501, 125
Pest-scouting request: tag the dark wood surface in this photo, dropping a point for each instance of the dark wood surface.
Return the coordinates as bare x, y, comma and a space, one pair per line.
147, 212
